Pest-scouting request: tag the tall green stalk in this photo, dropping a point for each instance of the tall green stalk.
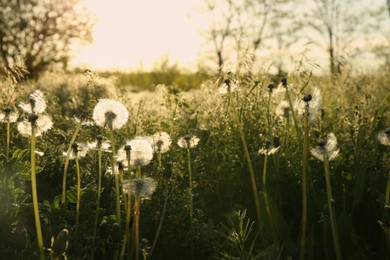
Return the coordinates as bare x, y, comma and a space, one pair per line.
116, 176
35, 195
304, 182
78, 127
191, 185
8, 137
137, 204
387, 208
332, 215
78, 190
97, 201
266, 201
126, 238
250, 167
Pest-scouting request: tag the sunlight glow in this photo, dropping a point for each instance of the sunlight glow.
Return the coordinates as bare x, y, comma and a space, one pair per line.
131, 33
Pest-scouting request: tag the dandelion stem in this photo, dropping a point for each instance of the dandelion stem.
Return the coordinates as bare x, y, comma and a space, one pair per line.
35, 195
8, 138
190, 185
97, 200
304, 183
293, 116
136, 217
250, 168
128, 217
268, 116
78, 191
332, 215
78, 127
266, 201
113, 163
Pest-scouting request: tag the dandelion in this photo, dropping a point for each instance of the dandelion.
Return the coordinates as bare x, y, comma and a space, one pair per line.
283, 110
188, 141
326, 151
8, 117
111, 113
105, 146
161, 142
269, 148
228, 87
41, 123
140, 187
37, 103
314, 105
384, 137
141, 152
326, 148
79, 150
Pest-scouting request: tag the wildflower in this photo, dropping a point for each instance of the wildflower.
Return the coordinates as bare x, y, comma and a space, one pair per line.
283, 110
188, 141
42, 124
8, 116
269, 148
384, 137
313, 102
111, 113
140, 187
37, 103
100, 144
228, 87
79, 150
141, 151
326, 148
161, 142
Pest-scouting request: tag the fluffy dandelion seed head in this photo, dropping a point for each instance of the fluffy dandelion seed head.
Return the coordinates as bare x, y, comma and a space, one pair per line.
141, 187
188, 141
37, 103
161, 142
42, 124
8, 116
79, 150
228, 87
141, 152
312, 103
384, 137
100, 145
109, 112
326, 148
283, 109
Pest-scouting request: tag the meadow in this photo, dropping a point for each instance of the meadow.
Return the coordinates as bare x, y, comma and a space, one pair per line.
242, 166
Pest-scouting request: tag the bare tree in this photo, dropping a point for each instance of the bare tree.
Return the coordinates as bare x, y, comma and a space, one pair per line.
38, 33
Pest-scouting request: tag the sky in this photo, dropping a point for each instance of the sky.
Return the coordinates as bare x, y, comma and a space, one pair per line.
134, 34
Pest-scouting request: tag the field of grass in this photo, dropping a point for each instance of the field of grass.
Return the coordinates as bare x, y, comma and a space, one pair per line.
242, 167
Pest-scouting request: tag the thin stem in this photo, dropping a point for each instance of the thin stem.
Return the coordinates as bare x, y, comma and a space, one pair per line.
78, 191
332, 215
35, 195
294, 116
97, 200
266, 201
191, 185
8, 138
387, 229
304, 184
268, 117
78, 127
136, 217
116, 176
250, 168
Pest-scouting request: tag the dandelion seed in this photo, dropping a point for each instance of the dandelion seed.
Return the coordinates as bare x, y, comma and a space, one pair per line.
326, 148
79, 150
269, 148
141, 152
111, 113
314, 101
37, 103
384, 137
161, 142
40, 153
228, 87
188, 141
42, 124
283, 110
140, 187
8, 116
